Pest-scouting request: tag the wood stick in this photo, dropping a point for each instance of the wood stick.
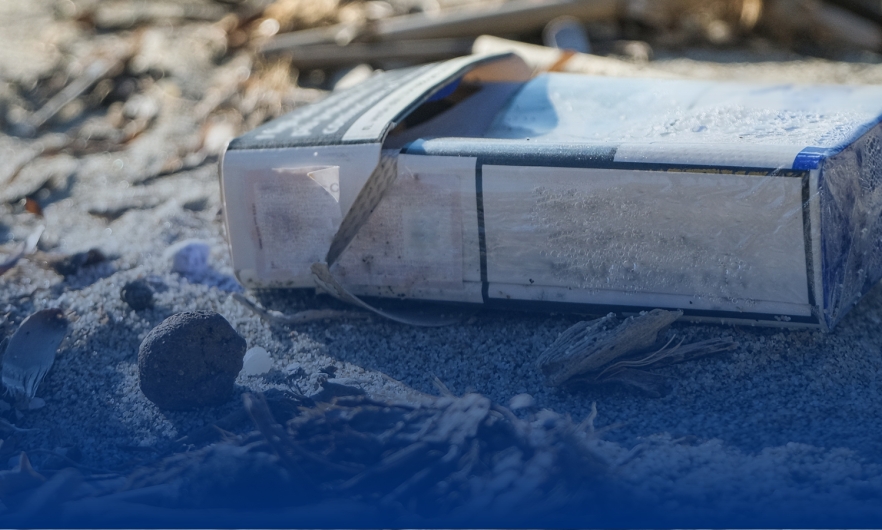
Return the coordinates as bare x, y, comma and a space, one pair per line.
543, 58
97, 70
516, 16
301, 317
331, 55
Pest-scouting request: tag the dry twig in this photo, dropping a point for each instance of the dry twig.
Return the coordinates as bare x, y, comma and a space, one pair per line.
603, 351
301, 317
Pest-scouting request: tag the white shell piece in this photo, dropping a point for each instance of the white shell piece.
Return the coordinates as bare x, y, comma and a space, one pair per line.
257, 361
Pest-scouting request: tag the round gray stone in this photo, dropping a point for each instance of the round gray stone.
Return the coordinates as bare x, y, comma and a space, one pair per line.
190, 360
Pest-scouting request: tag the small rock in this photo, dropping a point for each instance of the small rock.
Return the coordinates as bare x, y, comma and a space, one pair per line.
137, 294
190, 259
190, 360
36, 403
257, 361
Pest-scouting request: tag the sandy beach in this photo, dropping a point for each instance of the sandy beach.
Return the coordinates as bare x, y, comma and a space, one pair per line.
788, 423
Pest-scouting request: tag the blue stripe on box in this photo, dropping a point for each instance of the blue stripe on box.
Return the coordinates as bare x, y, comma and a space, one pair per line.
445, 91
811, 157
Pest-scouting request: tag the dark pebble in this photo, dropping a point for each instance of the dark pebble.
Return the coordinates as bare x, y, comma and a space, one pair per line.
137, 294
190, 360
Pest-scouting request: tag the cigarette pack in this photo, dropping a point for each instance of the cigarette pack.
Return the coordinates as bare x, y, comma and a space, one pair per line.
731, 202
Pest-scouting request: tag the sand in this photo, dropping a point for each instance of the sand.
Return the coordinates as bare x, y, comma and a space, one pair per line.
789, 418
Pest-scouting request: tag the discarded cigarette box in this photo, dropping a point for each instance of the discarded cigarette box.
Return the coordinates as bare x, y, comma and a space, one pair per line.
731, 202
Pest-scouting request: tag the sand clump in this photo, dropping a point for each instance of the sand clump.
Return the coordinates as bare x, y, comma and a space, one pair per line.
191, 360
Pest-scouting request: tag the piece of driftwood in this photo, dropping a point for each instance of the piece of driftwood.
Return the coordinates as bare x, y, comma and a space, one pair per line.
516, 16
605, 351
104, 65
334, 55
543, 58
122, 15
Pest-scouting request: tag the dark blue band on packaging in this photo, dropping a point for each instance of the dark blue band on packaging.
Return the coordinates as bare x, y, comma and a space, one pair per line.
811, 157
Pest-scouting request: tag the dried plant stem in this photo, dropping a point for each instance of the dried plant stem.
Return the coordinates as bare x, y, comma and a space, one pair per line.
589, 346
301, 317
601, 352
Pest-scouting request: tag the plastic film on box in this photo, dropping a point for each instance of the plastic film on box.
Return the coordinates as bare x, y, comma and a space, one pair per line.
732, 202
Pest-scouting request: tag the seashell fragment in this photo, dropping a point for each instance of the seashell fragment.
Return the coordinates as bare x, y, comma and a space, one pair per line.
257, 361
31, 352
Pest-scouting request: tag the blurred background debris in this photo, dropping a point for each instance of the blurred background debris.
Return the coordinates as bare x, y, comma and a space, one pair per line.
109, 71
167, 84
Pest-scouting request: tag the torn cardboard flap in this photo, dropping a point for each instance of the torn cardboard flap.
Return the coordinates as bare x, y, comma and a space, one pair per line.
362, 116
